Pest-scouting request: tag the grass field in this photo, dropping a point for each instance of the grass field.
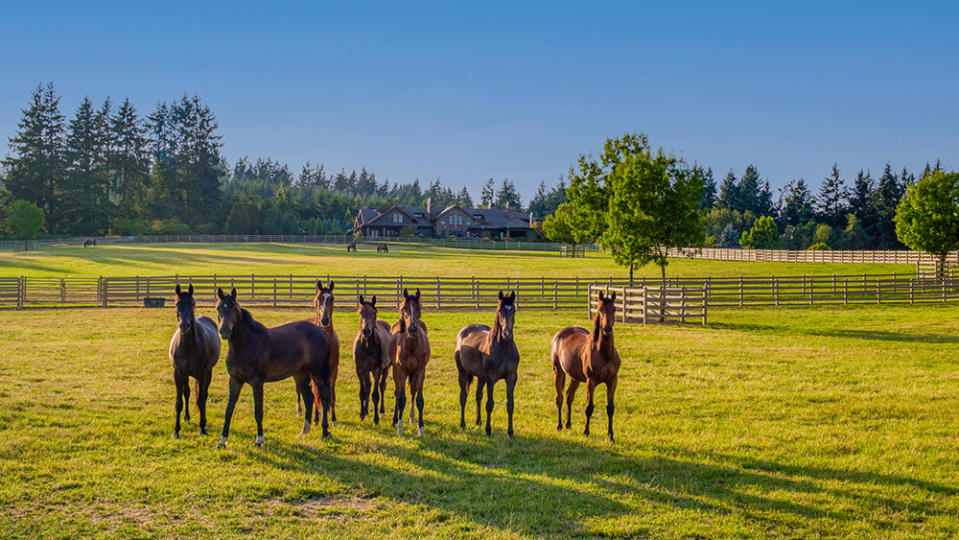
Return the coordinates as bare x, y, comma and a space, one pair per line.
281, 259
768, 422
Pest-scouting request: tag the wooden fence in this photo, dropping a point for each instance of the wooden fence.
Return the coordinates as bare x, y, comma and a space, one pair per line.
470, 292
648, 305
806, 256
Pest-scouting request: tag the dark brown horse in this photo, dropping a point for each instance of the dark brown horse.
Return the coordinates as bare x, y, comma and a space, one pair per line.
323, 307
382, 248
410, 352
489, 354
351, 247
371, 354
587, 357
194, 350
260, 355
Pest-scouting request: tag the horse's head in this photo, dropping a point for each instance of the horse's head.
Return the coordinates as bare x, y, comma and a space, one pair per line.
606, 313
323, 304
367, 311
506, 313
227, 311
184, 309
410, 313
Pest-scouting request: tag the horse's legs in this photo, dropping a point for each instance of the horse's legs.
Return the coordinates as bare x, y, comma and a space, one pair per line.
417, 386
364, 377
321, 394
385, 375
377, 397
610, 392
399, 391
334, 370
299, 410
202, 391
489, 407
559, 380
258, 409
570, 394
186, 397
464, 380
235, 386
303, 390
178, 382
510, 384
480, 383
590, 388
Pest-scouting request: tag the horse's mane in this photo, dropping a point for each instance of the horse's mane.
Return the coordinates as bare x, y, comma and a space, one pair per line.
248, 319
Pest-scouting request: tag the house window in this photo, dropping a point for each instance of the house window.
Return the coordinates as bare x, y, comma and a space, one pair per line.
443, 221
397, 218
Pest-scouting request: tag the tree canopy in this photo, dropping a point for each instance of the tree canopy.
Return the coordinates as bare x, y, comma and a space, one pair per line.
927, 218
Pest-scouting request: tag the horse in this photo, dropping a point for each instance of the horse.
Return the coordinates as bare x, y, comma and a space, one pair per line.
260, 355
587, 357
489, 355
90, 242
382, 248
351, 247
323, 307
410, 352
194, 350
371, 354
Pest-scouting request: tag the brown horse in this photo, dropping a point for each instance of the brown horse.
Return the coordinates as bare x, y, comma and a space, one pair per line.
382, 248
409, 351
194, 350
323, 306
489, 355
351, 247
371, 353
589, 358
260, 355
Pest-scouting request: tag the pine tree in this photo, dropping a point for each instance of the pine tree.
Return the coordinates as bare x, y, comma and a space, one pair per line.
463, 198
831, 205
128, 160
488, 194
728, 193
795, 204
747, 190
85, 196
507, 196
35, 169
884, 200
709, 190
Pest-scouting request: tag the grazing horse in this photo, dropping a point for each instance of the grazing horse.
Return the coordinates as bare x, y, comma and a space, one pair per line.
323, 306
382, 248
351, 247
90, 242
371, 353
260, 355
587, 357
489, 355
409, 351
194, 350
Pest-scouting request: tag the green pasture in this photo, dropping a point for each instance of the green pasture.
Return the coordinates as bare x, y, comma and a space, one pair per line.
281, 259
805, 422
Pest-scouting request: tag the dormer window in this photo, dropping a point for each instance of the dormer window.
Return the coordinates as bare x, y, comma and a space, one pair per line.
397, 217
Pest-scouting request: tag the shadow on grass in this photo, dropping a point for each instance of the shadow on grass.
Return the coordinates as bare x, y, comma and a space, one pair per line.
842, 333
552, 485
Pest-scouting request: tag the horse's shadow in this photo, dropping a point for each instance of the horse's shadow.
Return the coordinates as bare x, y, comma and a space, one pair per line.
506, 484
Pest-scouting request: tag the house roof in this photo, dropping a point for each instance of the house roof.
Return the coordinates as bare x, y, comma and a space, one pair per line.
485, 218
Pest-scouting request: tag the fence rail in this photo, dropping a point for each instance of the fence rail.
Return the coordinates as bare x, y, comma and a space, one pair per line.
477, 292
810, 256
648, 305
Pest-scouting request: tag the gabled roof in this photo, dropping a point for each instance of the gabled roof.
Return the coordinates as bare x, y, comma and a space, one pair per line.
483, 218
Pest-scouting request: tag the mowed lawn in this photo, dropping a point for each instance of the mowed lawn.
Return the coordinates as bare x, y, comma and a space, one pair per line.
283, 259
767, 422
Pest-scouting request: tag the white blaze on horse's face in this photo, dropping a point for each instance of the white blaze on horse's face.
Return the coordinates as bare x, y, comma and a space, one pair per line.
327, 300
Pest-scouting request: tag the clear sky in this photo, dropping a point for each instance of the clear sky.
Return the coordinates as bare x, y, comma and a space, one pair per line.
465, 91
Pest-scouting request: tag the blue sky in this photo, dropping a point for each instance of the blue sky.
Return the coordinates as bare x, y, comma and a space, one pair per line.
465, 91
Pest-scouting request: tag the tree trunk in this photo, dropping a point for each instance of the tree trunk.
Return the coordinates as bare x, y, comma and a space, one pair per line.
630, 274
662, 294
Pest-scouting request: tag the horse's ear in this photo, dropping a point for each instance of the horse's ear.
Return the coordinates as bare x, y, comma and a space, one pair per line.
373, 301
512, 295
190, 290
613, 298
601, 296
319, 284
417, 293
406, 294
331, 286
233, 293
219, 293
361, 299
501, 295
178, 289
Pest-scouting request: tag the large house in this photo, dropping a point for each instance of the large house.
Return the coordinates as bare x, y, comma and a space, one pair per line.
453, 220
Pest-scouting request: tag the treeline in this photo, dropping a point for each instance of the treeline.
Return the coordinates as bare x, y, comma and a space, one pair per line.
111, 171
741, 211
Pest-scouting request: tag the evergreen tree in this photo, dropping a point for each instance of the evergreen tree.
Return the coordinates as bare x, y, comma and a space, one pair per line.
86, 195
884, 200
831, 205
507, 196
747, 191
35, 169
128, 160
488, 194
463, 198
795, 203
728, 193
709, 190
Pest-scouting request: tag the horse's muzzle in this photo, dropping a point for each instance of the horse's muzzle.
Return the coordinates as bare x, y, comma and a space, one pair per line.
186, 327
367, 333
608, 330
225, 333
325, 322
411, 329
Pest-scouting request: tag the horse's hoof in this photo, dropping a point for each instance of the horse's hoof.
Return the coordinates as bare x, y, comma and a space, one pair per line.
399, 427
326, 435
203, 432
259, 441
510, 433
462, 426
176, 435
586, 432
421, 431
489, 432
559, 427
222, 443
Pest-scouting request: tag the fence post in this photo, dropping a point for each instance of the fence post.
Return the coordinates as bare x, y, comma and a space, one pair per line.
624, 304
644, 305
399, 291
21, 291
437, 292
63, 291
879, 291
274, 292
912, 291
845, 291
682, 306
740, 291
475, 291
105, 291
589, 294
555, 293
252, 288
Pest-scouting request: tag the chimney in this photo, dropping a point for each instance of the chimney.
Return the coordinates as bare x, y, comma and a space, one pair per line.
530, 219
429, 206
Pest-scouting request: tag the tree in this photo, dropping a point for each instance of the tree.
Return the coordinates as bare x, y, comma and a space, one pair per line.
728, 238
884, 201
488, 194
128, 160
831, 202
927, 218
24, 220
546, 201
764, 234
507, 196
795, 203
86, 207
854, 235
463, 198
560, 226
709, 190
728, 194
35, 170
646, 202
